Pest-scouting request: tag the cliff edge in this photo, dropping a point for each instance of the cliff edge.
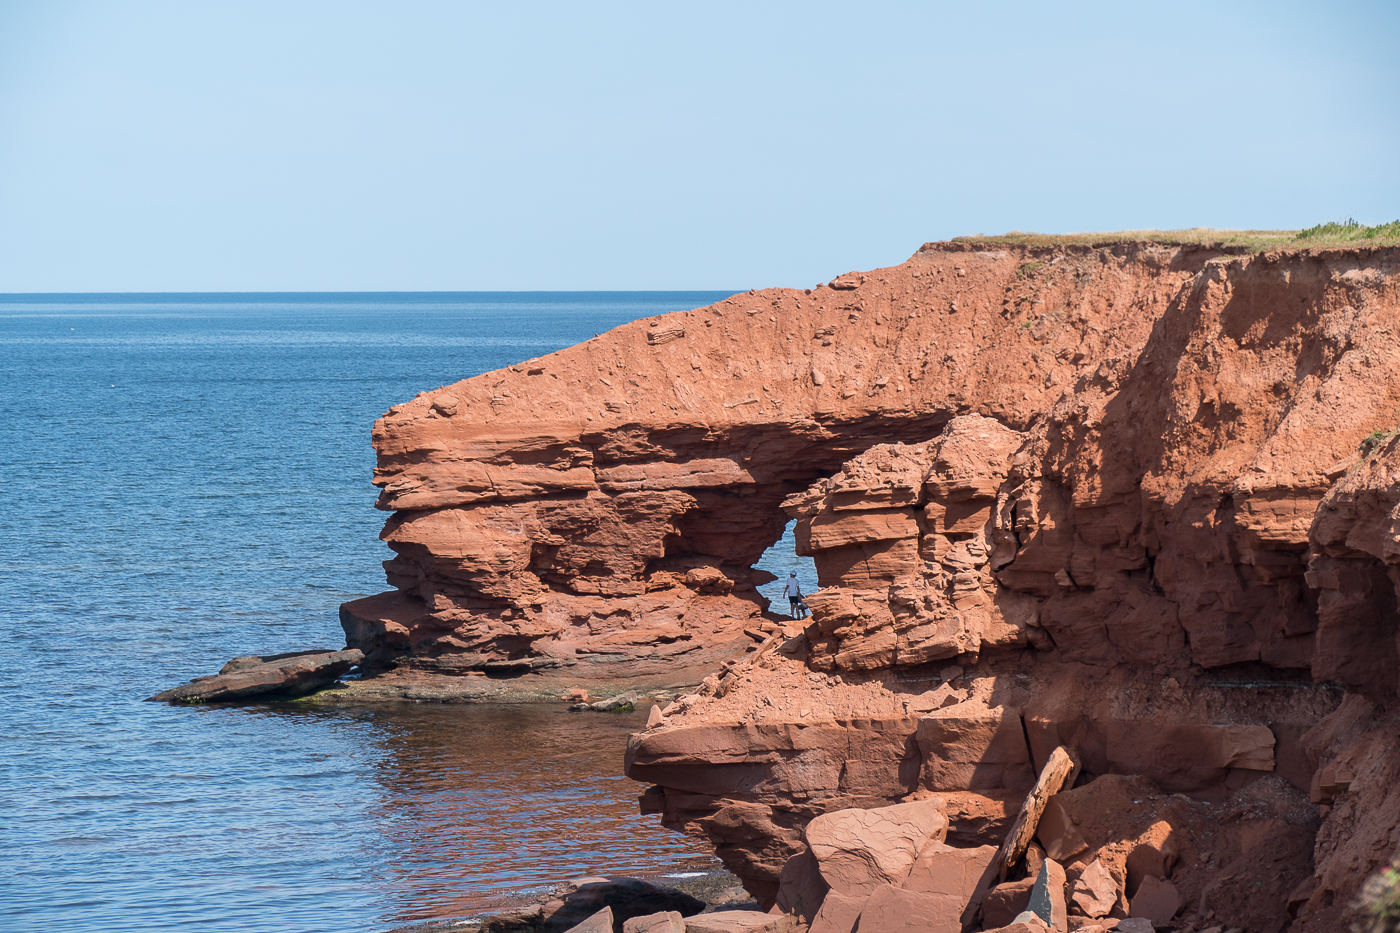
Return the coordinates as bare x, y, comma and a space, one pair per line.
1138, 500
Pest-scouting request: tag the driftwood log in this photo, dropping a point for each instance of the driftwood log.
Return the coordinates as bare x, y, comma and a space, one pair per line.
1059, 771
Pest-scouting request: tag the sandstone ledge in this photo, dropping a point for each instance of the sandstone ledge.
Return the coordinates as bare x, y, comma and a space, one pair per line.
274, 676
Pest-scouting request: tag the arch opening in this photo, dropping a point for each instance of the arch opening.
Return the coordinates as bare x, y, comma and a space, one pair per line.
781, 559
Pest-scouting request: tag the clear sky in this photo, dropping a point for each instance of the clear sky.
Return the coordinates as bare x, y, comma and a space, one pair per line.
249, 146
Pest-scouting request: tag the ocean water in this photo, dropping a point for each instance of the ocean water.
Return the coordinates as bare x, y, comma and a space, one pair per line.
187, 479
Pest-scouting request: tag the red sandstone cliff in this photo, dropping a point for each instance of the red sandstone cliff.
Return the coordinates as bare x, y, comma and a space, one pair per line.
1119, 486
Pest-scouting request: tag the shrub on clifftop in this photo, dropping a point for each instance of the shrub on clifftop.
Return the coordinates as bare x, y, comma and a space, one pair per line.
1380, 901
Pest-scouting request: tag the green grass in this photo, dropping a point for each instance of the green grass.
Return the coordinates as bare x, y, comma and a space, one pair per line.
1373, 442
1346, 233
1349, 231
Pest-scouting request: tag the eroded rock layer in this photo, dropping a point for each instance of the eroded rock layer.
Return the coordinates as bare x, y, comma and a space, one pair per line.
612, 497
1122, 489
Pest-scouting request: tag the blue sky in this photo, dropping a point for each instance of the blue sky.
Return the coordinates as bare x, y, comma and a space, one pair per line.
245, 146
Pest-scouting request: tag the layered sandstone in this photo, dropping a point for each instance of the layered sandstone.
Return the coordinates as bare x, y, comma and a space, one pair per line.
612, 498
1119, 487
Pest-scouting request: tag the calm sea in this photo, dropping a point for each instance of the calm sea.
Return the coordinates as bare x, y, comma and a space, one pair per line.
187, 479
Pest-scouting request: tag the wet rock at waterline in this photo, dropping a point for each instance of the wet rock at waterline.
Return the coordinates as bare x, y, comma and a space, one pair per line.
280, 675
627, 898
622, 703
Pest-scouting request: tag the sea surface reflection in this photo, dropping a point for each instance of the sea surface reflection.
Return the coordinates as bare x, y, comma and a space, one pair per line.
485, 802
189, 480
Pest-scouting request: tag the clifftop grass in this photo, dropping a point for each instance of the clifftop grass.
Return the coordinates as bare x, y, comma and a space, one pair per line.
1347, 233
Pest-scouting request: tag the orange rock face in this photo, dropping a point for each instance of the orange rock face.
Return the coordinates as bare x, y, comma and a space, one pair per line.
611, 498
1119, 487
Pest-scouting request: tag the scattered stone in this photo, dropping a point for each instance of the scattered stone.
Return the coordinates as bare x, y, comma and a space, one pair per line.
278, 675
655, 718
1134, 925
1095, 892
1156, 900
734, 894
665, 334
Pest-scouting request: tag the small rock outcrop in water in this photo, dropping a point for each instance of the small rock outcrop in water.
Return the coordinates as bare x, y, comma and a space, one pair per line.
1145, 496
622, 703
588, 902
253, 677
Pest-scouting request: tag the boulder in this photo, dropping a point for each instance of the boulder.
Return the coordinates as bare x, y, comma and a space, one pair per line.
1047, 900
1057, 831
740, 921
667, 921
523, 920
1155, 900
280, 675
1005, 902
1095, 892
859, 850
838, 913
622, 703
601, 922
801, 887
625, 897
899, 910
1135, 925
960, 877
1087, 925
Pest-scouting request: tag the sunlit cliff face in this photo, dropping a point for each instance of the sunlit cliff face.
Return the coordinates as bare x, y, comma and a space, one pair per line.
1119, 487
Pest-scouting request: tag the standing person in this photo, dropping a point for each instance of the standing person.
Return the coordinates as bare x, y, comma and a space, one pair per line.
793, 591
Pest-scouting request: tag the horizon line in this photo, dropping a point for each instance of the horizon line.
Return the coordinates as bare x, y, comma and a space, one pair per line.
460, 291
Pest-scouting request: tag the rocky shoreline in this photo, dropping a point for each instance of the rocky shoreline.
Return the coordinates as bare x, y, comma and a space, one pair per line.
1136, 501
559, 908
